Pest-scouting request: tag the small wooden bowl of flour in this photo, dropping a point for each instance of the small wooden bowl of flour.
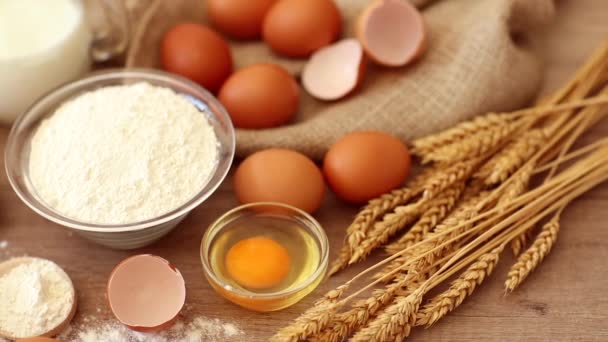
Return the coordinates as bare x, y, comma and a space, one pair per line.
37, 298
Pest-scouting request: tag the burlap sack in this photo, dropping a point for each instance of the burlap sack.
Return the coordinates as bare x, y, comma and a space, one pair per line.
478, 60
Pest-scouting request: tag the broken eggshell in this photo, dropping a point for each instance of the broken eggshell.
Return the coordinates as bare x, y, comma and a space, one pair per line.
392, 32
335, 70
146, 292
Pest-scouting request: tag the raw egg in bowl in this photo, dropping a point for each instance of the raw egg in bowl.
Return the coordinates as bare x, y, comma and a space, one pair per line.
265, 256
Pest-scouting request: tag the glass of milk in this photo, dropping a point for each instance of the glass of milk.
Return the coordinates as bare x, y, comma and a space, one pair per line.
46, 43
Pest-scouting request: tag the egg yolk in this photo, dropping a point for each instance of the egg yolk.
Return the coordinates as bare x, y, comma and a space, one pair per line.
258, 262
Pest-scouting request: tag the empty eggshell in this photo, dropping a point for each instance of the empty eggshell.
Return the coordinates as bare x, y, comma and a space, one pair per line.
146, 292
335, 70
392, 32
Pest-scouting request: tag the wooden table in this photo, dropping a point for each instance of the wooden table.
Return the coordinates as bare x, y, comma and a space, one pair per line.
564, 300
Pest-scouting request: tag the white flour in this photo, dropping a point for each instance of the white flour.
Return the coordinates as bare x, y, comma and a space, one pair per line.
3, 244
35, 297
122, 154
200, 329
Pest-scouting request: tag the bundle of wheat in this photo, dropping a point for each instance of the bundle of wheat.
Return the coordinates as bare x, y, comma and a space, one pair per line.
452, 222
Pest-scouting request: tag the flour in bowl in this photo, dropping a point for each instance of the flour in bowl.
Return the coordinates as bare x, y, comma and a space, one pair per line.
122, 154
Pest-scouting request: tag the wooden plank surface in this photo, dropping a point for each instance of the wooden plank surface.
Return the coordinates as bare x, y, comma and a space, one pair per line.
563, 301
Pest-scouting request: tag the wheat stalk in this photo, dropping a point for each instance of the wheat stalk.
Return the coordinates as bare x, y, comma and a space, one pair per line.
404, 283
426, 226
426, 145
383, 230
346, 322
512, 157
495, 218
447, 235
459, 290
468, 138
581, 124
357, 231
313, 320
570, 156
533, 256
565, 187
451, 175
519, 243
518, 186
475, 145
376, 208
395, 322
438, 209
392, 223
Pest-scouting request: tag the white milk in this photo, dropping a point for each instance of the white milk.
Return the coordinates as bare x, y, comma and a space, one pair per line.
43, 43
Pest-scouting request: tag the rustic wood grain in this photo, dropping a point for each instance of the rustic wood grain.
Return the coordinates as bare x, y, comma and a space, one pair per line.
563, 301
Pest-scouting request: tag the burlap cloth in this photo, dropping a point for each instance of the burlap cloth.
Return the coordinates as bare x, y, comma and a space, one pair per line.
478, 60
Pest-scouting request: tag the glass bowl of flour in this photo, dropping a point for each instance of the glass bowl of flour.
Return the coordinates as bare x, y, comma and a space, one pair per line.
121, 156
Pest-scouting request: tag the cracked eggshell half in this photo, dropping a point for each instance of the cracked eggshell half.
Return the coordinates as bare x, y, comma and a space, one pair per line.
392, 32
335, 70
146, 293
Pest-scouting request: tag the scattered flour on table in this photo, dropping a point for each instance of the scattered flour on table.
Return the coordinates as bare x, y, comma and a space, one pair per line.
35, 297
122, 154
199, 329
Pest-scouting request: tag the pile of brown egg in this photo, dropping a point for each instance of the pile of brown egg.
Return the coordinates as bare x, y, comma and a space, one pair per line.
361, 165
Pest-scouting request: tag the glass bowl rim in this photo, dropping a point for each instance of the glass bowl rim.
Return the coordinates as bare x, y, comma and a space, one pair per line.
144, 74
317, 232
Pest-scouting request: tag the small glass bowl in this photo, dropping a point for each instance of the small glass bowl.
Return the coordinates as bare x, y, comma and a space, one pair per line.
118, 236
272, 301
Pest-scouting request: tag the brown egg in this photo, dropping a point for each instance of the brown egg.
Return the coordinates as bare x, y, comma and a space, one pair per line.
392, 32
260, 96
198, 53
364, 165
241, 19
280, 175
334, 71
296, 28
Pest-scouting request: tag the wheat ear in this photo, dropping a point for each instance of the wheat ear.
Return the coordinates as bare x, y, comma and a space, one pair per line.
374, 210
475, 145
460, 289
534, 255
383, 230
395, 322
357, 231
313, 320
438, 209
458, 172
516, 187
346, 322
507, 161
403, 215
426, 145
520, 242
444, 239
